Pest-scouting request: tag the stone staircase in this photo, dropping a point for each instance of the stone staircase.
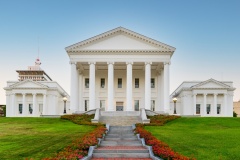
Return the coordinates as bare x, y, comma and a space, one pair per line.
121, 118
119, 144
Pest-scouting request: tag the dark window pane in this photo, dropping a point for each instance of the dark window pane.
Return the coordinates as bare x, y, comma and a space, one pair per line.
119, 82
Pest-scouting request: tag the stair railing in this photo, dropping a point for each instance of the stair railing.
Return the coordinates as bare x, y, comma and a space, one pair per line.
144, 116
97, 116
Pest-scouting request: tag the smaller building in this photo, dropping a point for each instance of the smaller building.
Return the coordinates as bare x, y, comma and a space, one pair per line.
236, 108
203, 98
35, 94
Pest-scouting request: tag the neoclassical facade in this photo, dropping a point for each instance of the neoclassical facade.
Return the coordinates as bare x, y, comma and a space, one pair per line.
120, 70
204, 98
35, 95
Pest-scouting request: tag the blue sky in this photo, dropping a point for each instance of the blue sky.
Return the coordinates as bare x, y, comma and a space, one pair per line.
206, 34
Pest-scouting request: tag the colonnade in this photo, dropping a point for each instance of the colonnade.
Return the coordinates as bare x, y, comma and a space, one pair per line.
74, 97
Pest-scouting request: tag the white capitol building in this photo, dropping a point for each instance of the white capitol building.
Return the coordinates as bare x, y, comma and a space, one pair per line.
119, 70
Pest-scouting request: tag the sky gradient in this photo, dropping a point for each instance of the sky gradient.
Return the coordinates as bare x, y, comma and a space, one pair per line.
206, 35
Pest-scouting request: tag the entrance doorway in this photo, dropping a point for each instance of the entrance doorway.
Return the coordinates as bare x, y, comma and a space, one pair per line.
119, 106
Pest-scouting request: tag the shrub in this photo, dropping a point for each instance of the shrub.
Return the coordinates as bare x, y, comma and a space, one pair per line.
81, 119
234, 114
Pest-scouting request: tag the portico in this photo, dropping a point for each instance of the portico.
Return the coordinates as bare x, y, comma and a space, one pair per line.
120, 67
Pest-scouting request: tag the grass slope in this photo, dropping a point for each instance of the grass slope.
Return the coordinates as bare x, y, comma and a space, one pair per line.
204, 138
36, 137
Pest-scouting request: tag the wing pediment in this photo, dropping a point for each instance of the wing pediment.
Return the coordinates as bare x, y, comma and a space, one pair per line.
120, 39
211, 83
28, 84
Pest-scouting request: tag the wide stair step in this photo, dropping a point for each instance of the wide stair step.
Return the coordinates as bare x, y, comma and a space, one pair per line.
121, 159
119, 144
120, 120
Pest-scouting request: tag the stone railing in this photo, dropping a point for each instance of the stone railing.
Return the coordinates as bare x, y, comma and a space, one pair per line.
143, 116
97, 116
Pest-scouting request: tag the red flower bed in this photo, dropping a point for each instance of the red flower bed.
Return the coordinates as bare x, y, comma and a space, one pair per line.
160, 148
79, 148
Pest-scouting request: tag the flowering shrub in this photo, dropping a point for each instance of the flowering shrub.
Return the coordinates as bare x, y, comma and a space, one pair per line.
160, 148
160, 120
81, 119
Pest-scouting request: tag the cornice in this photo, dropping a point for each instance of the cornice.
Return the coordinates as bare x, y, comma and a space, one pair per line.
122, 52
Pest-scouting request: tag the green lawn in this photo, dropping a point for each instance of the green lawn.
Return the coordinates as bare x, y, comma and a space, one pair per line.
205, 138
36, 137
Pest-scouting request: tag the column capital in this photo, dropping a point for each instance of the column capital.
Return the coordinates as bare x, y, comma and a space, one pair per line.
34, 94
129, 62
215, 94
167, 63
110, 62
24, 94
72, 62
205, 94
93, 62
194, 94
148, 63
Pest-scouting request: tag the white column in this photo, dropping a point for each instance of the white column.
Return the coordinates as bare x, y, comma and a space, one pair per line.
25, 109
35, 111
194, 104
13, 108
204, 105
159, 107
92, 85
74, 87
148, 85
110, 86
44, 104
129, 86
224, 110
56, 105
214, 109
80, 95
166, 87
8, 105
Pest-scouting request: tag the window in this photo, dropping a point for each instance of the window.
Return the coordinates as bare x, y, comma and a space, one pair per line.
119, 82
86, 82
136, 105
208, 108
102, 105
218, 108
30, 108
152, 83
198, 107
153, 105
136, 82
41, 108
86, 104
102, 83
20, 108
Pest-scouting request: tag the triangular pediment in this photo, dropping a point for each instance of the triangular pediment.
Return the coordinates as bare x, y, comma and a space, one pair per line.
120, 39
211, 83
28, 84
